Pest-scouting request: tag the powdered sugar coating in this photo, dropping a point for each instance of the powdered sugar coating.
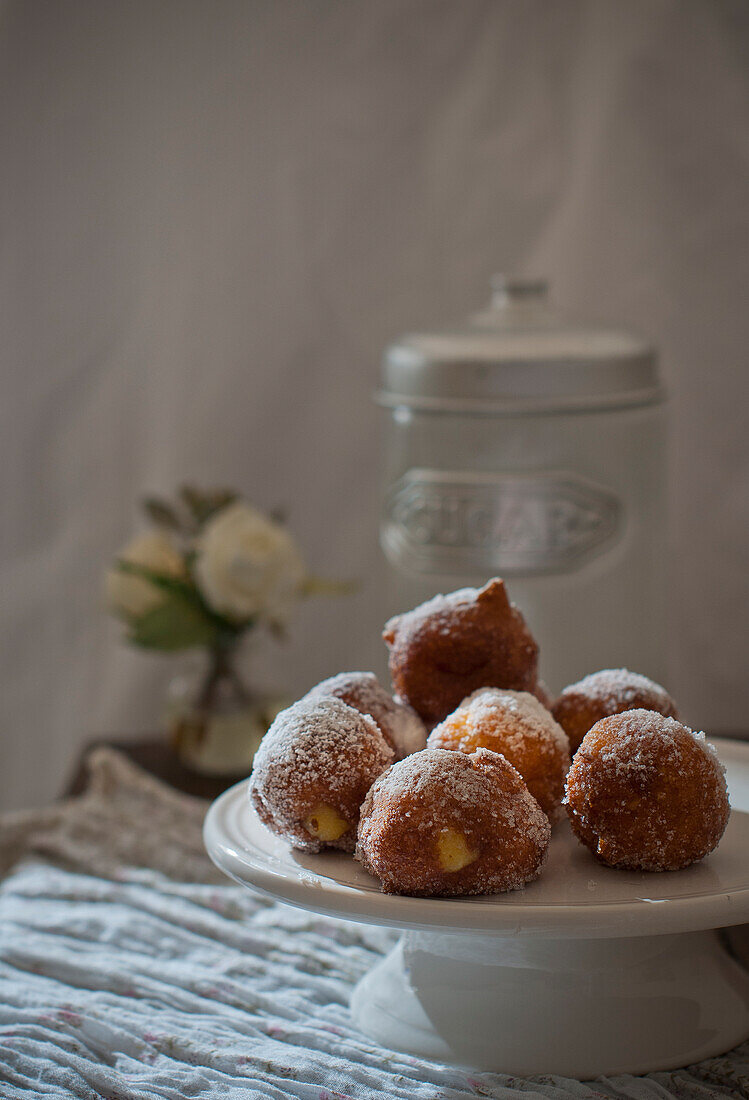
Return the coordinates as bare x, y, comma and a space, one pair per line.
523, 714
319, 751
517, 725
481, 796
440, 605
453, 644
610, 691
400, 723
646, 792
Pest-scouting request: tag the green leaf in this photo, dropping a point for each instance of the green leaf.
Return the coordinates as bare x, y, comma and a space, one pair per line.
166, 582
186, 589
161, 513
175, 624
204, 503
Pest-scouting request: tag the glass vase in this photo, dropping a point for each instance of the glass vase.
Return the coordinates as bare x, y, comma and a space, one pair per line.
215, 721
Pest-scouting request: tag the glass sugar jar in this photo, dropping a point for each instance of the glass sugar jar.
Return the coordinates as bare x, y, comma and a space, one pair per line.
528, 446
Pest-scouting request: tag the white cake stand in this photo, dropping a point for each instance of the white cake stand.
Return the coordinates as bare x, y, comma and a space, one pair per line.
587, 971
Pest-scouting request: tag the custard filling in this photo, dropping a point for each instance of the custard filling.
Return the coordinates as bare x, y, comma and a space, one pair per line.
325, 823
453, 851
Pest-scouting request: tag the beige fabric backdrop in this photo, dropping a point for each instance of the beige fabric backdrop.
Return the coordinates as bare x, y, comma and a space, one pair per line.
214, 216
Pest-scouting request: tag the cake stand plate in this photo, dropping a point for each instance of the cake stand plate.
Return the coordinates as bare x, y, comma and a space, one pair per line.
587, 971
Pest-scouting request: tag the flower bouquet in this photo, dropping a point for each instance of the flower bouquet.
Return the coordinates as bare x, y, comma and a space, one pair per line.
211, 569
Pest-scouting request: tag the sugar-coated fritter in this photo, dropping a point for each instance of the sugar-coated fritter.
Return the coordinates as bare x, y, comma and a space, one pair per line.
445, 823
646, 793
400, 724
312, 771
452, 645
611, 691
517, 725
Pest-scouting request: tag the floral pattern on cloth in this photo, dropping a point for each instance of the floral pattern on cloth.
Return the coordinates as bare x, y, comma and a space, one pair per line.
130, 969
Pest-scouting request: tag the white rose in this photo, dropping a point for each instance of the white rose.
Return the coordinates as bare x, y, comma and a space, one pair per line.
131, 596
248, 566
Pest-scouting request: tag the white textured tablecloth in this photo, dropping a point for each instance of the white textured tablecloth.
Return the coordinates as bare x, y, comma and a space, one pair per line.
130, 968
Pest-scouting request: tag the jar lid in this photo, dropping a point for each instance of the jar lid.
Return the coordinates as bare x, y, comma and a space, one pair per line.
520, 356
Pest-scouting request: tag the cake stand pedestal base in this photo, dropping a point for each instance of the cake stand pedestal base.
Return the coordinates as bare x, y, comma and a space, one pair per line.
578, 1008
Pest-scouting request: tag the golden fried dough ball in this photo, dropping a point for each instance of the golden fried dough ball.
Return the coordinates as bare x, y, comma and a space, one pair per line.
450, 646
448, 823
646, 793
610, 691
517, 725
312, 770
401, 726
